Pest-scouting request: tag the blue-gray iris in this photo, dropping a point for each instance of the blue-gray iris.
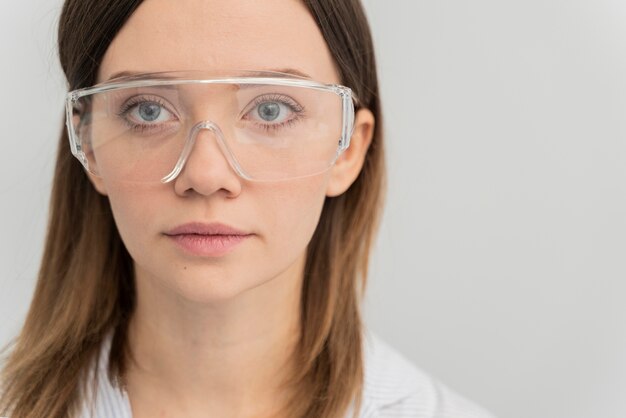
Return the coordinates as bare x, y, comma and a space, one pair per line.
149, 111
269, 111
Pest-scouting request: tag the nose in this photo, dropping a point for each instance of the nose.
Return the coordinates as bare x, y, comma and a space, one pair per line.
205, 164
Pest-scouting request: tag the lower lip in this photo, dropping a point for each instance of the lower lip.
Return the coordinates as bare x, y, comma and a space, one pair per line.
208, 245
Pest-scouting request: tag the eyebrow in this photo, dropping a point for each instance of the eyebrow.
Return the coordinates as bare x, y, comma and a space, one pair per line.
252, 73
288, 71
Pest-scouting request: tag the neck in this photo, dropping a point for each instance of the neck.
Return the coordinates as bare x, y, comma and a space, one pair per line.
228, 356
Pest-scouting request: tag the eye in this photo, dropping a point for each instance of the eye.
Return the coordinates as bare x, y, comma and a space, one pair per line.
273, 111
276, 112
146, 112
149, 112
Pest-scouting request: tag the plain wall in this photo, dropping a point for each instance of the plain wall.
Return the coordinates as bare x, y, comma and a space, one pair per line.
500, 264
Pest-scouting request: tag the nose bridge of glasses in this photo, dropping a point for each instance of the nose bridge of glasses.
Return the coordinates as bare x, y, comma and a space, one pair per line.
205, 139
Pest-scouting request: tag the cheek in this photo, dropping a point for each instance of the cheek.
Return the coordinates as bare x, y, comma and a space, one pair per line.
291, 210
135, 210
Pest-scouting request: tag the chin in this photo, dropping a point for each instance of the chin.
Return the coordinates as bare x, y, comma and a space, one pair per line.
211, 288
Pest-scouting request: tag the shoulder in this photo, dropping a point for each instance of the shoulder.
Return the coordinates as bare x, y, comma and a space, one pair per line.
394, 387
102, 398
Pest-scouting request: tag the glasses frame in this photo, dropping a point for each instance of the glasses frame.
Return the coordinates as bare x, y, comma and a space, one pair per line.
347, 96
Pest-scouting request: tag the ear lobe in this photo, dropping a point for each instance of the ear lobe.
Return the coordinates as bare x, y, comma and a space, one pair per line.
349, 164
97, 183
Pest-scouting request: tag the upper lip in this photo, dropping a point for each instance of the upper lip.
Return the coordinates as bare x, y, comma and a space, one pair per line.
200, 228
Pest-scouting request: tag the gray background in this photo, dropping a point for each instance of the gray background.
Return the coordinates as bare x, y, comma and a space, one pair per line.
500, 263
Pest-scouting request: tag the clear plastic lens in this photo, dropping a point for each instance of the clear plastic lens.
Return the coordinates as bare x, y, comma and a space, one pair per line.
145, 132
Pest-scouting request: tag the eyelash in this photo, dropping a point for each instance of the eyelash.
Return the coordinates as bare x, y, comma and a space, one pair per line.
134, 101
297, 109
293, 106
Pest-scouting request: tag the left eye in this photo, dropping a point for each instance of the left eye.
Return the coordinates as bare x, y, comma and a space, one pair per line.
271, 111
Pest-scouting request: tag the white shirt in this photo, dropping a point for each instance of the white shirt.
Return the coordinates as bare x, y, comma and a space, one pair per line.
393, 388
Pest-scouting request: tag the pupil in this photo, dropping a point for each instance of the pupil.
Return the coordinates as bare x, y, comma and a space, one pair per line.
149, 111
269, 111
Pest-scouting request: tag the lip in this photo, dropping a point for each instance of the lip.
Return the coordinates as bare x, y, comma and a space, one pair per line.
207, 240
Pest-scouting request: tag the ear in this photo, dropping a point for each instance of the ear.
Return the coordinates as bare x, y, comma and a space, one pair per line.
349, 164
98, 183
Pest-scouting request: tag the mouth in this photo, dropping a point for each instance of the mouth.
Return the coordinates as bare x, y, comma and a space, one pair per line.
207, 240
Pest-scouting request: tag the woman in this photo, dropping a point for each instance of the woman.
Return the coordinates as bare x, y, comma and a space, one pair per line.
208, 245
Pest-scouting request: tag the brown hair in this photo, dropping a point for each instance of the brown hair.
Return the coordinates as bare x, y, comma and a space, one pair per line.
86, 286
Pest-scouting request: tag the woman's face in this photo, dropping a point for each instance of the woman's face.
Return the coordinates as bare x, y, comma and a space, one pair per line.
165, 35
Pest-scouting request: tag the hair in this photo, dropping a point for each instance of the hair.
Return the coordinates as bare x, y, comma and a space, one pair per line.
85, 287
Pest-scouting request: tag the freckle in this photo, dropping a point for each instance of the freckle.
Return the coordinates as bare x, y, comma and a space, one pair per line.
184, 267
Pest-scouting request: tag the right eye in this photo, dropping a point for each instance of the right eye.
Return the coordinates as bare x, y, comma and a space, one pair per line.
146, 113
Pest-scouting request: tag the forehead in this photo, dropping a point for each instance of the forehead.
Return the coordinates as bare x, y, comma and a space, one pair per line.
165, 35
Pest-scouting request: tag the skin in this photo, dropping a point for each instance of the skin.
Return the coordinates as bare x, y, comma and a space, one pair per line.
215, 334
